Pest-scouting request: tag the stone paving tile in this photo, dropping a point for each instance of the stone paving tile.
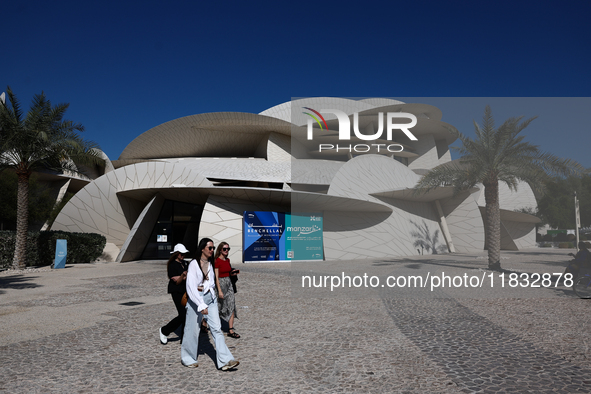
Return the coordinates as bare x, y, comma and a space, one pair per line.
481, 356
106, 289
302, 345
287, 345
560, 326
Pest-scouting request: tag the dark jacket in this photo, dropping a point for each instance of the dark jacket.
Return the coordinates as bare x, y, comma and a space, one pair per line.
176, 268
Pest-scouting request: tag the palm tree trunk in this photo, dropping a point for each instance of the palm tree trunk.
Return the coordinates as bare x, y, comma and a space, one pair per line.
493, 224
22, 221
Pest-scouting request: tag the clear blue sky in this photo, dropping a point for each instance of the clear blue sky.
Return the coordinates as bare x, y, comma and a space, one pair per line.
128, 66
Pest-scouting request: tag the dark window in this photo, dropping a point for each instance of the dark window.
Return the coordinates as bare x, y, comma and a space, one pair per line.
178, 222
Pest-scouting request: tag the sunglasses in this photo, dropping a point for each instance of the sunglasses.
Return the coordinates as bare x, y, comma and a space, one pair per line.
225, 249
211, 247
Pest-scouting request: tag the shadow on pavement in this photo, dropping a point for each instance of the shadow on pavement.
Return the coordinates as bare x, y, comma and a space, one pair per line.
17, 282
433, 262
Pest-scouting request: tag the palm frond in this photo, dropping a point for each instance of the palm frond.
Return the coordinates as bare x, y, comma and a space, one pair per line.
499, 154
43, 139
15, 107
449, 174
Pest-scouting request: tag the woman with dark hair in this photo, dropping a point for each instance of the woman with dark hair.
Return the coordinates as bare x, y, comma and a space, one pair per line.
177, 273
226, 302
202, 304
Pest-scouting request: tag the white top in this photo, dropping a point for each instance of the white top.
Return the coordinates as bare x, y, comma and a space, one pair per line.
194, 279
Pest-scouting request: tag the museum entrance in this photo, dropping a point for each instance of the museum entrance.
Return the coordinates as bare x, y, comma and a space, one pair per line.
178, 222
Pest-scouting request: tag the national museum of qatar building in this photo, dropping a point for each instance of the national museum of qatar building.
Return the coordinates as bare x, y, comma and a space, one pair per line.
312, 167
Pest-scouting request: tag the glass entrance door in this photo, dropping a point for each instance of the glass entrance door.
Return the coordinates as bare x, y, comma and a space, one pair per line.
178, 222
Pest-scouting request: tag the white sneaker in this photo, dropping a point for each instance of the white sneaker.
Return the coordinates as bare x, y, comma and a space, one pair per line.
230, 365
163, 338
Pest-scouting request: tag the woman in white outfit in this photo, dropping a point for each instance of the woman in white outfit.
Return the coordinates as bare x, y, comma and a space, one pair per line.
202, 303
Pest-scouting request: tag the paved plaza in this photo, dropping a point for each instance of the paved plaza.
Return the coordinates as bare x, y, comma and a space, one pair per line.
94, 328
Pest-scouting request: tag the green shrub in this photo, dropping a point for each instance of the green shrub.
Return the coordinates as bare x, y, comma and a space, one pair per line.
561, 237
547, 238
566, 245
7, 245
545, 245
82, 247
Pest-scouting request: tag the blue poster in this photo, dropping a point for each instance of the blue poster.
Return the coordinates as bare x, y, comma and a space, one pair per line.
280, 236
264, 236
61, 251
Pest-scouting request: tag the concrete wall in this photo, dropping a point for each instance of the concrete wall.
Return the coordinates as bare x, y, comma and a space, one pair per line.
350, 235
464, 222
98, 208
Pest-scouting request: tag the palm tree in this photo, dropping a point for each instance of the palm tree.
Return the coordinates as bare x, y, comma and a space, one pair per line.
497, 154
41, 140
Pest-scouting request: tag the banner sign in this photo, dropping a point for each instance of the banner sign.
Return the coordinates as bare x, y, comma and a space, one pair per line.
304, 236
264, 236
280, 236
61, 251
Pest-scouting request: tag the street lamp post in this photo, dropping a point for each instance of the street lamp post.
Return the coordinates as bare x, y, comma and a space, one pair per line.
577, 221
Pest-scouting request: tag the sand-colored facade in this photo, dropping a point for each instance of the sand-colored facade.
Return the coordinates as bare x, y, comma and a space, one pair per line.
210, 168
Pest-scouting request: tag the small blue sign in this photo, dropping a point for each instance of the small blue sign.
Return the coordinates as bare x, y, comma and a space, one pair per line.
61, 251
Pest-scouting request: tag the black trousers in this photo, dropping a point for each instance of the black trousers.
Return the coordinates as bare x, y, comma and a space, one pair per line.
178, 321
